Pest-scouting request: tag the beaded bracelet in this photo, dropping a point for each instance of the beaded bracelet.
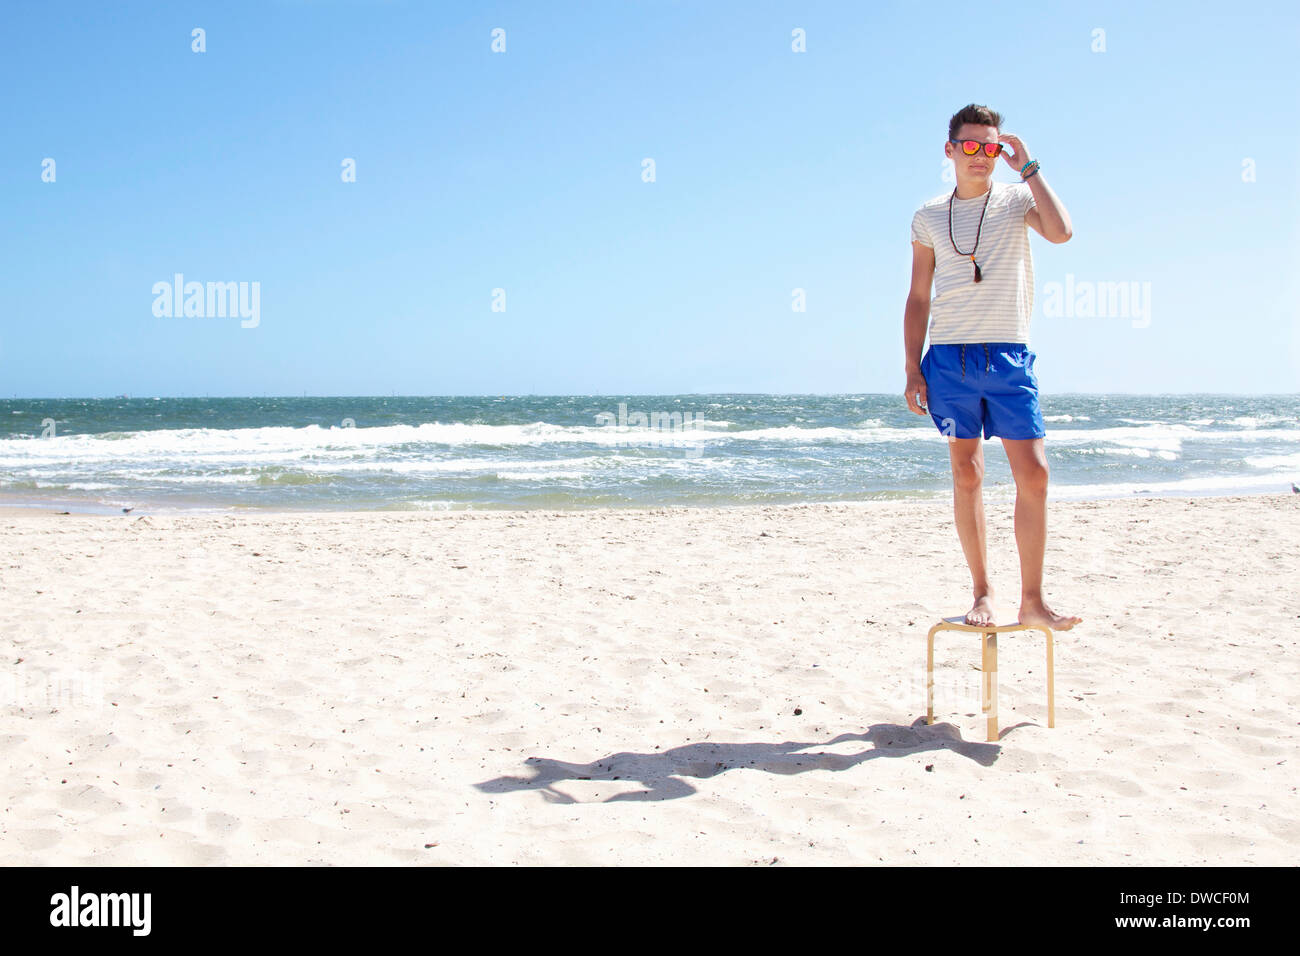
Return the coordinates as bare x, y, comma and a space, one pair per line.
1033, 171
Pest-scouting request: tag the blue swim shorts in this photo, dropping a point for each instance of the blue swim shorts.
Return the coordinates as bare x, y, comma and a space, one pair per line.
989, 385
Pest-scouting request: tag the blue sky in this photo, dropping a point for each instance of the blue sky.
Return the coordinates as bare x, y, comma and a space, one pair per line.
522, 171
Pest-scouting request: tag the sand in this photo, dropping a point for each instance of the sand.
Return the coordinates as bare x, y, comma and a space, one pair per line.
723, 686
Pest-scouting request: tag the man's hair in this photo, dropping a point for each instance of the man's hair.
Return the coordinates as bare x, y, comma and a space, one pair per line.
978, 115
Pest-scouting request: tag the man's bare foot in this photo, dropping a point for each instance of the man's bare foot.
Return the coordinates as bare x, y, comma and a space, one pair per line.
1036, 612
983, 612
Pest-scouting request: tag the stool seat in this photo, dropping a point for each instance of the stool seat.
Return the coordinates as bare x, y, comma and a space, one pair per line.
958, 623
989, 684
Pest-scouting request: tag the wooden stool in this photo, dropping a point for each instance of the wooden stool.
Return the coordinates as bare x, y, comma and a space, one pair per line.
989, 681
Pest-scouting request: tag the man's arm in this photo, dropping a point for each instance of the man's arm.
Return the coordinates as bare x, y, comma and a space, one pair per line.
1048, 218
916, 318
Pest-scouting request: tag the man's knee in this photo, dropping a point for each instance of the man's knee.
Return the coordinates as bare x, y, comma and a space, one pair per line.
1031, 478
967, 473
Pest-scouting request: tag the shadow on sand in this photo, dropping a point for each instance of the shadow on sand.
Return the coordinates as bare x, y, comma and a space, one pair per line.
661, 772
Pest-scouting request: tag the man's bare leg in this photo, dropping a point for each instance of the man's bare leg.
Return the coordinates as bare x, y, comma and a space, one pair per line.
1029, 467
967, 458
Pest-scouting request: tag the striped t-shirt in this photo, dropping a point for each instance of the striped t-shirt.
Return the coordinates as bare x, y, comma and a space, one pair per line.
998, 307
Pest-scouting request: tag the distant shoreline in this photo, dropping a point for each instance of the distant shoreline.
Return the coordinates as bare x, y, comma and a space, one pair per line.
12, 507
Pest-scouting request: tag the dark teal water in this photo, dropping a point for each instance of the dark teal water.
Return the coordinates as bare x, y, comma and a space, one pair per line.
556, 452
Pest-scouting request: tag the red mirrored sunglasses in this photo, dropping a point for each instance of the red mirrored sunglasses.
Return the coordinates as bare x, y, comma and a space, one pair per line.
970, 147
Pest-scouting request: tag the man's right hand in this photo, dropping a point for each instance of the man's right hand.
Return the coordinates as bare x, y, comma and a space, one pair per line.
916, 393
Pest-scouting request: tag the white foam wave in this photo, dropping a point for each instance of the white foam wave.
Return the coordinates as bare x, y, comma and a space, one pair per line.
1131, 452
1256, 421
1210, 484
1274, 461
542, 475
281, 445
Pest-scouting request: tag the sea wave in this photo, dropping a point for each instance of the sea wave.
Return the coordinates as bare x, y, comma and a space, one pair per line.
1203, 485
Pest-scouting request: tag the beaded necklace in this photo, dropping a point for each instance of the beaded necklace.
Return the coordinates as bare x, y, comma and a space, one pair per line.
971, 255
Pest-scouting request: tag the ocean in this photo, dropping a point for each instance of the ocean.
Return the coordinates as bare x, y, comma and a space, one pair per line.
583, 451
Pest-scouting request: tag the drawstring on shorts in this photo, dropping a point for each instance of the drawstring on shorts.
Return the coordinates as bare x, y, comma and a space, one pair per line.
987, 360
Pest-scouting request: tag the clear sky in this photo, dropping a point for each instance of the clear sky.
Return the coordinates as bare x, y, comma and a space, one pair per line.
522, 170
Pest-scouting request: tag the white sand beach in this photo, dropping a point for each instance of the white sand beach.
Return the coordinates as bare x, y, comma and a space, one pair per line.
658, 686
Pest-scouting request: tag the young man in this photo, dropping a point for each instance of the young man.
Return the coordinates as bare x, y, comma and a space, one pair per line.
978, 373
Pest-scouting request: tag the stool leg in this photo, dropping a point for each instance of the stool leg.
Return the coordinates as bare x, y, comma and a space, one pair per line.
1051, 683
929, 676
991, 683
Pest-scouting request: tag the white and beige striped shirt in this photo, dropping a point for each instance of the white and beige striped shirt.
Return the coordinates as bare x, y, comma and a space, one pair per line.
998, 307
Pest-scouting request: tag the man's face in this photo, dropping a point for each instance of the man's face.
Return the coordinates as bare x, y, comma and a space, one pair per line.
979, 166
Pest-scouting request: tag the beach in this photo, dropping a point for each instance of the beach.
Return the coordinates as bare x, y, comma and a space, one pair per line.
721, 685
